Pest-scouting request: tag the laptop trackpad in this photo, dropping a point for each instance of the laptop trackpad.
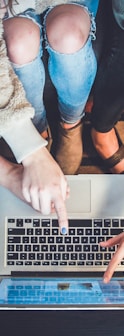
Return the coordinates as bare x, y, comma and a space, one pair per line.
80, 196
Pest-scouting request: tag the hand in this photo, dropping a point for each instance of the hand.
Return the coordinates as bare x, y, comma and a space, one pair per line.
45, 186
117, 257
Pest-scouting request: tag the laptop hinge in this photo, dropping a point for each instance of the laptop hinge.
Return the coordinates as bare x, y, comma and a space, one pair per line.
60, 274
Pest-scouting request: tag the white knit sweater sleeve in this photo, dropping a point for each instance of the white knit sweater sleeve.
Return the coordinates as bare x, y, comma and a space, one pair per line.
16, 126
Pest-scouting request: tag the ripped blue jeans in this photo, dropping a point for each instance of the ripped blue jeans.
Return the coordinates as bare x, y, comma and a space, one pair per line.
72, 74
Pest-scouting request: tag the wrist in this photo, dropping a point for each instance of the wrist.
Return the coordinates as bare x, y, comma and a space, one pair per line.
35, 157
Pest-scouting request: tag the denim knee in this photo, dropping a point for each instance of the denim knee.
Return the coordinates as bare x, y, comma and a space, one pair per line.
73, 76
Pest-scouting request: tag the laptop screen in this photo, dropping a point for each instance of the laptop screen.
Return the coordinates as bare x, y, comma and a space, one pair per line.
61, 292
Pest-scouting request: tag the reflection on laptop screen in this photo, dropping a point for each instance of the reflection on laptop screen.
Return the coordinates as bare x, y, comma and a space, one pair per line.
61, 291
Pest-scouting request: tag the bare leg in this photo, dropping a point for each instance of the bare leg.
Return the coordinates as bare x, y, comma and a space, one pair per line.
11, 176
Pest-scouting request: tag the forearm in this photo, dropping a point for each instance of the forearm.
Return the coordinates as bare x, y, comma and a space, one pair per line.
16, 126
23, 139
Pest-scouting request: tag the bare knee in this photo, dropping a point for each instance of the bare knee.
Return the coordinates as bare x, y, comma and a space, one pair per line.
22, 38
67, 28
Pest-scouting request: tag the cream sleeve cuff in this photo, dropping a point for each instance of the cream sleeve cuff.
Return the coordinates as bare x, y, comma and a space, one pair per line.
23, 139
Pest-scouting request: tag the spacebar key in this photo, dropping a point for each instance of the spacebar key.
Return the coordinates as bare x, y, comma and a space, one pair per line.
80, 223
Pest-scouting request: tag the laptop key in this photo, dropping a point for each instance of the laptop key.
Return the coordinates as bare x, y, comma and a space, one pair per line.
51, 240
98, 263
57, 256
82, 256
34, 240
36, 222
45, 263
115, 232
61, 248
86, 248
44, 248
78, 248
52, 248
107, 223
59, 240
72, 232
19, 248
54, 263
23, 256
122, 222
84, 240
69, 248
37, 263
99, 256
48, 256
25, 240
65, 256
38, 232
72, 263
46, 232
30, 232
115, 222
14, 240
74, 256
27, 248
97, 232
40, 256
63, 263
31, 256
67, 240
97, 223
55, 232
15, 232
42, 240
89, 263
28, 263
76, 240
12, 256
10, 248
45, 222
80, 263
19, 263
19, 222
80, 232
10, 263
36, 248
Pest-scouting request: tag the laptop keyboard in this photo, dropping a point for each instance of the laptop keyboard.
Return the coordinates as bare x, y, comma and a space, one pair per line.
38, 242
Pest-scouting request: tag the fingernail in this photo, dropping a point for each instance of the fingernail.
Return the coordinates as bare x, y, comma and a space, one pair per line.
105, 280
63, 230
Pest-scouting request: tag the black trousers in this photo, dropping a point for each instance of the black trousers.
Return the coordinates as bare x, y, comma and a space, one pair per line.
108, 94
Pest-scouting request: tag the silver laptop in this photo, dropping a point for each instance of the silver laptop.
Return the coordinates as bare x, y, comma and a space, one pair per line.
41, 269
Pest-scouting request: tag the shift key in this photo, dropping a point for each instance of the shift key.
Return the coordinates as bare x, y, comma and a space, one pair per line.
12, 256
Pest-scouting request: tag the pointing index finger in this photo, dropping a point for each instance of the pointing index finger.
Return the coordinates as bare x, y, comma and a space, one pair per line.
61, 214
117, 257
